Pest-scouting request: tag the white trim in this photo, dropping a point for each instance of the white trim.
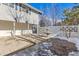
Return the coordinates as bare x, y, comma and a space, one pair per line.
18, 32
33, 8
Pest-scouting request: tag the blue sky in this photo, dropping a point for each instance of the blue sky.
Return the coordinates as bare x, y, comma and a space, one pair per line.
59, 6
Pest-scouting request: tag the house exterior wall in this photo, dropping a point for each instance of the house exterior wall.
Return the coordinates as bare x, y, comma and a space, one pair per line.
5, 13
6, 21
34, 18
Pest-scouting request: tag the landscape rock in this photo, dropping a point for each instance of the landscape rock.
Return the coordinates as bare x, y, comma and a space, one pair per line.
62, 47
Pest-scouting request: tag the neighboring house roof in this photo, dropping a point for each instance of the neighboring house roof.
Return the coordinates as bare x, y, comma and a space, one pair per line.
34, 9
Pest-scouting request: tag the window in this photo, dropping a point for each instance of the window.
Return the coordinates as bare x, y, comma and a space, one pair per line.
26, 11
11, 5
19, 7
29, 11
5, 4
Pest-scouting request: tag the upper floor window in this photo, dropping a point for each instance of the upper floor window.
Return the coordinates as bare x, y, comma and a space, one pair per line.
5, 3
29, 11
11, 5
26, 11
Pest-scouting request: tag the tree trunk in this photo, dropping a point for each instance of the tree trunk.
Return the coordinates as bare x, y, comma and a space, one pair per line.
13, 29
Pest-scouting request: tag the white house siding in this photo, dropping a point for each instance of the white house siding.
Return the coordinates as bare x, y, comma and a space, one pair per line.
5, 14
34, 18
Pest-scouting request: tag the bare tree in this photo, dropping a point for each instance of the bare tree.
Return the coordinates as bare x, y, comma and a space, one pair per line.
17, 15
13, 14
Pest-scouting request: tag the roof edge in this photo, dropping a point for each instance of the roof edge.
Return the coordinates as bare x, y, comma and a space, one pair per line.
35, 9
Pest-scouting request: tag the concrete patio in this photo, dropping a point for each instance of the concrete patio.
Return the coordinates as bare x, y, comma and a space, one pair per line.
9, 45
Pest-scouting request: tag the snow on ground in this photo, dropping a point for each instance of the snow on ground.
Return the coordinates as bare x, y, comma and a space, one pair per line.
37, 50
74, 38
42, 49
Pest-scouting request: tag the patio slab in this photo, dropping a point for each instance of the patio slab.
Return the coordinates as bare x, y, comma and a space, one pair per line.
9, 45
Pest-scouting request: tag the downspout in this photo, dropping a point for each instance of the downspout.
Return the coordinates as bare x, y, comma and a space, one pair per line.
14, 22
38, 26
28, 20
